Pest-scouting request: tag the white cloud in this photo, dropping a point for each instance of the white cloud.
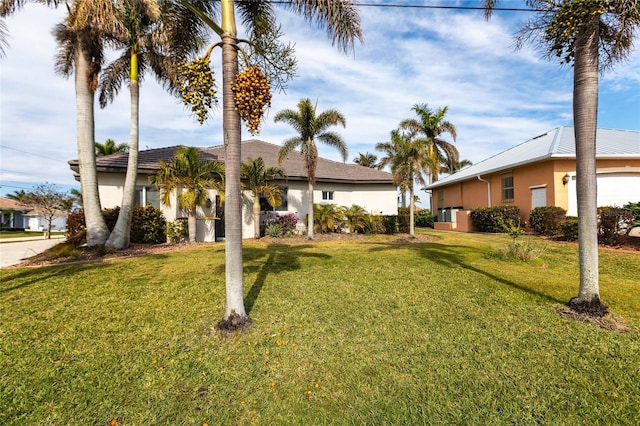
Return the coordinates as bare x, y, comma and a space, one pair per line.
496, 97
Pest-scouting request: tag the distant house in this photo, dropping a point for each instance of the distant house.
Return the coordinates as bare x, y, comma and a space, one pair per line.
336, 182
12, 213
540, 172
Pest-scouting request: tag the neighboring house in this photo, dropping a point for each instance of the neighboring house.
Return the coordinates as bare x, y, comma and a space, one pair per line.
12, 213
36, 220
540, 172
336, 182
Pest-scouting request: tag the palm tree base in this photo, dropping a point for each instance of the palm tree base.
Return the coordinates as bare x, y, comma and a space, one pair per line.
594, 307
234, 322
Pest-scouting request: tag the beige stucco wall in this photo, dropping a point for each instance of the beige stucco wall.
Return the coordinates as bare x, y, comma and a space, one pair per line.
473, 193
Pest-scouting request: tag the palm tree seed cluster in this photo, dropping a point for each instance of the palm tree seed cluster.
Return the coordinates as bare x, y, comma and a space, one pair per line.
252, 94
197, 88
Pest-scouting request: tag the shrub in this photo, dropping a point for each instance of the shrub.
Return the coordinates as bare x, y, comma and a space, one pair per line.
374, 224
495, 219
178, 230
287, 223
390, 224
613, 225
569, 228
403, 220
425, 219
546, 220
148, 225
274, 231
634, 208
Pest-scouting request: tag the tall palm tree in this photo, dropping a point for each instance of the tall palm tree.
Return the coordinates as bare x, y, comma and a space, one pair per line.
429, 126
590, 35
4, 34
110, 147
18, 195
366, 160
311, 127
190, 178
412, 162
80, 52
257, 179
149, 41
394, 157
453, 165
340, 19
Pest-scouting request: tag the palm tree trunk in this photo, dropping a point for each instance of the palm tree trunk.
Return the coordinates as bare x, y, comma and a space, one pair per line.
310, 216
256, 215
191, 225
585, 112
121, 235
97, 231
232, 138
412, 208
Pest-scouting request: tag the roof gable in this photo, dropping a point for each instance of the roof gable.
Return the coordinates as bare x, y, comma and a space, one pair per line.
556, 143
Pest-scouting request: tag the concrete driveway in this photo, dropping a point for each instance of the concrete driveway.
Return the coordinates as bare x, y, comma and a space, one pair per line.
13, 252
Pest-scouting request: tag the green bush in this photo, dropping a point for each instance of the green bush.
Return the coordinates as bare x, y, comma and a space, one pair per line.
374, 224
274, 230
390, 224
546, 220
425, 219
178, 230
569, 228
613, 225
403, 220
496, 219
148, 225
634, 208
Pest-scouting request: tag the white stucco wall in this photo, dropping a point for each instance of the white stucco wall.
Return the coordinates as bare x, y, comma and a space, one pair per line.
376, 199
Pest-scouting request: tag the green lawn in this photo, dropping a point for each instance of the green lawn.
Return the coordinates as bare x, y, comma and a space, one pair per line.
28, 234
374, 332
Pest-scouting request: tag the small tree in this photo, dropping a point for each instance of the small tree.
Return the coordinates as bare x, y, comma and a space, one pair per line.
48, 202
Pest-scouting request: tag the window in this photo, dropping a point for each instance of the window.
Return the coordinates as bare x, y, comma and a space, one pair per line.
441, 198
507, 188
284, 206
147, 196
327, 195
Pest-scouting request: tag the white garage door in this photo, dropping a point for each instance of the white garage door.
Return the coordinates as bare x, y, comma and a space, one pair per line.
614, 189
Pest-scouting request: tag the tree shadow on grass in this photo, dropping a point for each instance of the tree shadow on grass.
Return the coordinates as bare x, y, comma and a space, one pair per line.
273, 259
454, 256
29, 276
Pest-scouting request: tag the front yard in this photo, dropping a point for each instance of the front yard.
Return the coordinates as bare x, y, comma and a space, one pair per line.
373, 331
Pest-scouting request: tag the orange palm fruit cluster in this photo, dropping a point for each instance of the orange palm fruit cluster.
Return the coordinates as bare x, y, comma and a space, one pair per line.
252, 95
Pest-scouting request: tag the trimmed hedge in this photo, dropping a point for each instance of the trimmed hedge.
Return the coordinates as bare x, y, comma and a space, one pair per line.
546, 220
425, 219
496, 219
569, 228
613, 225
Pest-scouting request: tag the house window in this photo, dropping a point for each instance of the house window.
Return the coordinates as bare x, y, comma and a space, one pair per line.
327, 195
284, 206
507, 188
441, 198
147, 196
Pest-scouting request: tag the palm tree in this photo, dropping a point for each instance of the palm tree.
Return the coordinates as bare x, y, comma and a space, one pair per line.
80, 52
311, 127
340, 19
191, 179
412, 162
110, 147
581, 34
430, 126
356, 217
149, 42
3, 37
453, 165
395, 159
328, 217
257, 178
18, 195
366, 160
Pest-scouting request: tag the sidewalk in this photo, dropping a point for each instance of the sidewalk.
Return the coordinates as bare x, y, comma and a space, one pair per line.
14, 250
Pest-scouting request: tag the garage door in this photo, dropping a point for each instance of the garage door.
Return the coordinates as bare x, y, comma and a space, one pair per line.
614, 189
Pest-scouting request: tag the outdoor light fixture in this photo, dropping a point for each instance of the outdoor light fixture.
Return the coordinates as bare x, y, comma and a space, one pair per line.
208, 203
565, 179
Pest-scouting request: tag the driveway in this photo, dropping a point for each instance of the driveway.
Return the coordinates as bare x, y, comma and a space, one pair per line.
13, 252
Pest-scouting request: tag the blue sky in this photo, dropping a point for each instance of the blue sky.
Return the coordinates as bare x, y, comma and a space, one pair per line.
496, 97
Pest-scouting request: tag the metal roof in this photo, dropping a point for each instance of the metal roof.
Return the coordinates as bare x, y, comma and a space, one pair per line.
556, 143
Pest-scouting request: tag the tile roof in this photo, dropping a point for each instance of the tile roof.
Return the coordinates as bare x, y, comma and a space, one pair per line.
556, 143
9, 204
326, 171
